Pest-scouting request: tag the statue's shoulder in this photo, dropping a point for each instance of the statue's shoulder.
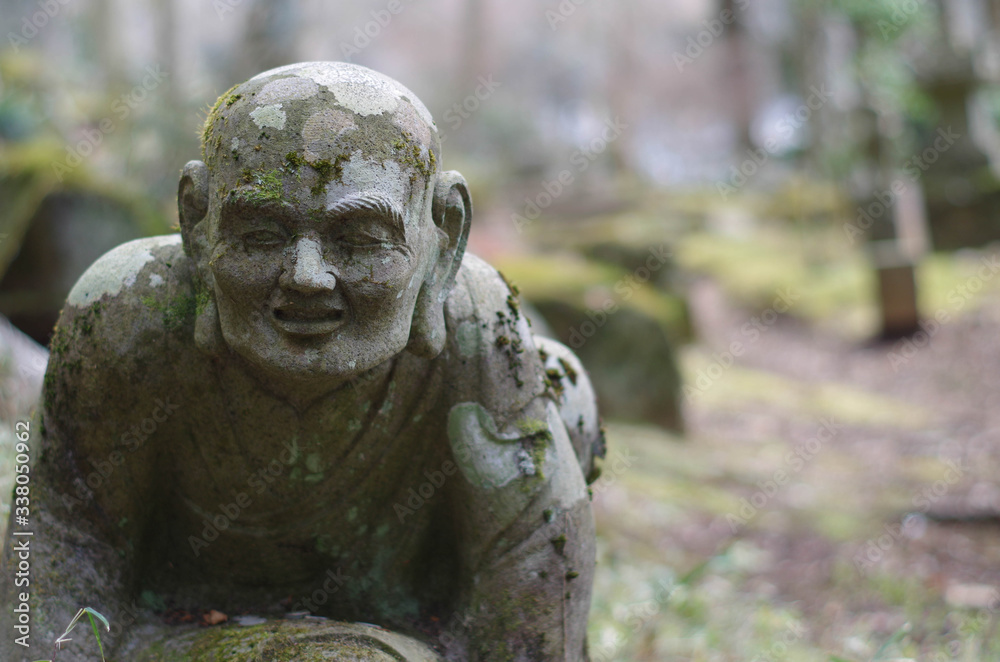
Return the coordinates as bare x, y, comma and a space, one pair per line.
506, 421
490, 351
129, 302
500, 369
124, 334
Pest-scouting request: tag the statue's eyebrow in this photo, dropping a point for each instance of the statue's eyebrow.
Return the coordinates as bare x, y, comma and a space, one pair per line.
234, 202
378, 204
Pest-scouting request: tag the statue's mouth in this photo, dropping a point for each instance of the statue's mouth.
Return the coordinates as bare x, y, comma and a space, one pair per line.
308, 320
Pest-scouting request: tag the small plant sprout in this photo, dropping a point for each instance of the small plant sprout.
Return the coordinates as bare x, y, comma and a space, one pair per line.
91, 614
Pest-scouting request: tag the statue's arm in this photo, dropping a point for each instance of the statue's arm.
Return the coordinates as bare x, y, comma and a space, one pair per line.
106, 410
90, 492
570, 388
526, 534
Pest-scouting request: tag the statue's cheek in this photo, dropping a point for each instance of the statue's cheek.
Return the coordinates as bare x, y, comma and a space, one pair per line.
389, 273
235, 270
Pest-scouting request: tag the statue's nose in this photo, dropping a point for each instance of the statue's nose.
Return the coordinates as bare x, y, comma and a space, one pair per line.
306, 270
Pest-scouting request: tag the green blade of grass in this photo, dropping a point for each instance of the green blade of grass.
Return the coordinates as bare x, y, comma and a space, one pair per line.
97, 635
696, 572
91, 613
94, 612
896, 637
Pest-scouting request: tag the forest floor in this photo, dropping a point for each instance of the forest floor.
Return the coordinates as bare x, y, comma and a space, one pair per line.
832, 499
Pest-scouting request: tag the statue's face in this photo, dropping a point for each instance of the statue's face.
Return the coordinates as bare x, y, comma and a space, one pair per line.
319, 233
322, 284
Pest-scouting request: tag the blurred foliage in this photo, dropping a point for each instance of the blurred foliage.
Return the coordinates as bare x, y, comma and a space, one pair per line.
891, 33
36, 166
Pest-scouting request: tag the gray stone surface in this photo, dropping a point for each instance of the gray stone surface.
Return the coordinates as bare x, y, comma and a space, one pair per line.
311, 400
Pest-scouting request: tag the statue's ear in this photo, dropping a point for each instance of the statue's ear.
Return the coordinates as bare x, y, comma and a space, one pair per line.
452, 212
192, 205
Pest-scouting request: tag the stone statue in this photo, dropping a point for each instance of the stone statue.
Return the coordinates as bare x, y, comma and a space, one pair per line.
310, 404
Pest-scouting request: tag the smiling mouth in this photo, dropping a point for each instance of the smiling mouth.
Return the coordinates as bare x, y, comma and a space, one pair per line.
300, 321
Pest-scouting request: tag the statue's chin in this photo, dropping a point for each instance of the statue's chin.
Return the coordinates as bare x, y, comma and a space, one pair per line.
310, 370
309, 365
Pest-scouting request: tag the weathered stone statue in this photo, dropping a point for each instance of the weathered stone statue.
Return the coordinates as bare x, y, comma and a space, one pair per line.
309, 401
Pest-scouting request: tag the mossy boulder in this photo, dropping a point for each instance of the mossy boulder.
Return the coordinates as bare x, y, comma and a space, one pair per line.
622, 328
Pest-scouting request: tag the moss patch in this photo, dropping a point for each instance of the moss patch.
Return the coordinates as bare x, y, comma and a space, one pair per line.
327, 171
265, 186
408, 152
571, 374
213, 115
553, 380
177, 311
508, 341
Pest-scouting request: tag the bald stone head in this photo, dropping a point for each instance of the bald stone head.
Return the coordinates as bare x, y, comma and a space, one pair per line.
325, 234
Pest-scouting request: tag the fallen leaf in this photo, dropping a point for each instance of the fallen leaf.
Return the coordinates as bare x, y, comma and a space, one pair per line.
214, 618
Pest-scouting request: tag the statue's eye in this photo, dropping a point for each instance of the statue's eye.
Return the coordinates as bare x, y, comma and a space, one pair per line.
360, 240
263, 239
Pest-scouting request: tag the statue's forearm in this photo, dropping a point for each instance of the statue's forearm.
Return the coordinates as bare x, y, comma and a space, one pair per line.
62, 551
528, 538
532, 601
45, 578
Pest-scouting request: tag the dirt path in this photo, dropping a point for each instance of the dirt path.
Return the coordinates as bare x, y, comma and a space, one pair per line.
857, 483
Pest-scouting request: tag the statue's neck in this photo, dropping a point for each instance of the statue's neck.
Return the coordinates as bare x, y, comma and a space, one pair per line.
302, 393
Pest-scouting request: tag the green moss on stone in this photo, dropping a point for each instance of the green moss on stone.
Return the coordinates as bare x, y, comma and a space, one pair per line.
554, 381
571, 374
533, 427
213, 115
295, 160
327, 171
265, 186
176, 311
559, 543
510, 285
409, 152
60, 341
203, 298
